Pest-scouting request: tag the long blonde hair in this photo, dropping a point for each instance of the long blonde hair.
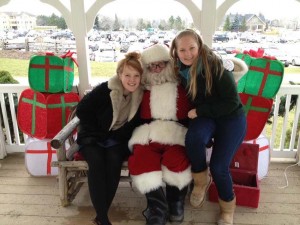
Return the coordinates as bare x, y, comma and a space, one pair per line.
210, 63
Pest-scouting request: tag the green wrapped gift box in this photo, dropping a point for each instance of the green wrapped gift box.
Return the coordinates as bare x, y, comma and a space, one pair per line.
51, 74
263, 78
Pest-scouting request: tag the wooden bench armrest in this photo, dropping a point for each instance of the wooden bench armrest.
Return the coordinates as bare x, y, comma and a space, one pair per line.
58, 142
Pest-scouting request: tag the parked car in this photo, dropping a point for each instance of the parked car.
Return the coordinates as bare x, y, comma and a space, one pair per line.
231, 50
295, 59
220, 38
106, 55
254, 38
221, 53
103, 45
278, 54
124, 46
93, 46
245, 36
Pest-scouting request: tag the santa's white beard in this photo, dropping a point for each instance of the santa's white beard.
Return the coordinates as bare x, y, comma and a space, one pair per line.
166, 75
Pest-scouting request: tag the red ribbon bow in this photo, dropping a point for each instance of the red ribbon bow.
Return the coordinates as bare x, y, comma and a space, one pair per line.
69, 54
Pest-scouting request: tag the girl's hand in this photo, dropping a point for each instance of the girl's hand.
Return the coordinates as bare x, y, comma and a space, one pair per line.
192, 114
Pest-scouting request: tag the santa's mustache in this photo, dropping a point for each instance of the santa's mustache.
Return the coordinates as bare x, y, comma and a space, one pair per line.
166, 75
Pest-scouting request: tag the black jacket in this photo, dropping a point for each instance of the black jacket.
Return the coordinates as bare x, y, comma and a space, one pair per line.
224, 99
99, 110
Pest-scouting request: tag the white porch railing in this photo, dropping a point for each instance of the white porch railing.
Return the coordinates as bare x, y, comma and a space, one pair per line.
14, 142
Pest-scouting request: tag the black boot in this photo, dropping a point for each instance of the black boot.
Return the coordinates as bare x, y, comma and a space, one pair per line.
156, 212
176, 198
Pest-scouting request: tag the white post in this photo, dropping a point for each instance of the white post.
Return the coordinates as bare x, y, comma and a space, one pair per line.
76, 21
208, 20
79, 27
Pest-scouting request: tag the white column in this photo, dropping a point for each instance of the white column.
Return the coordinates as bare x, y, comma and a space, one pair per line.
76, 21
208, 20
79, 29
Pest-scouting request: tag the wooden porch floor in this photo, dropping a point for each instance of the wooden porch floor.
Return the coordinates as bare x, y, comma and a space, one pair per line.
31, 200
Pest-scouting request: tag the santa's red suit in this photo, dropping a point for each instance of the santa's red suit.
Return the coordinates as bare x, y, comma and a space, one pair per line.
158, 145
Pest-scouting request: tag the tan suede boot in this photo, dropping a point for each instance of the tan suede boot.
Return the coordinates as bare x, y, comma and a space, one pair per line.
227, 211
201, 184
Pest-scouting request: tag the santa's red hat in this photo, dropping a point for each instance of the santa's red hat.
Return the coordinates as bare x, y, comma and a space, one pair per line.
155, 53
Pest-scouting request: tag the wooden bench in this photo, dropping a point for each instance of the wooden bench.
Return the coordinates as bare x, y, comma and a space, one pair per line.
72, 174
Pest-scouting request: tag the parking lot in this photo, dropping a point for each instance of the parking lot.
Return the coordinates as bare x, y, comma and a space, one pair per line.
110, 47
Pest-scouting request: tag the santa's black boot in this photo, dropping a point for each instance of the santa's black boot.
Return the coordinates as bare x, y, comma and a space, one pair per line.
176, 198
156, 212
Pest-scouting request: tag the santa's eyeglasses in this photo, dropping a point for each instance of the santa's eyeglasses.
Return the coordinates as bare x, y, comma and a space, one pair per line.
161, 65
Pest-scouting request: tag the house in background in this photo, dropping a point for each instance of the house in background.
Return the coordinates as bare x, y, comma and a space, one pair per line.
17, 21
254, 23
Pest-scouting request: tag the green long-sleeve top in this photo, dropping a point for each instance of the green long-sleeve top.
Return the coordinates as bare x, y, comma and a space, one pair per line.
224, 99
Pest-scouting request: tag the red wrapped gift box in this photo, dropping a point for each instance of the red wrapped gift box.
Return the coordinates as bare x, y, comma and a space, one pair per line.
59, 107
243, 170
50, 73
257, 111
38, 157
32, 113
42, 115
264, 155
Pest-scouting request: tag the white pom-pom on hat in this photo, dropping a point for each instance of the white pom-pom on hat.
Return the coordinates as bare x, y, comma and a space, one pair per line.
155, 53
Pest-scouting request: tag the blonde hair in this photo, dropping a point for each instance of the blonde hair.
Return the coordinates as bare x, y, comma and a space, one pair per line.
211, 64
132, 59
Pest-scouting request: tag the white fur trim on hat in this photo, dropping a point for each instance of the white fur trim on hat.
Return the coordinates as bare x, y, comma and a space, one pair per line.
155, 53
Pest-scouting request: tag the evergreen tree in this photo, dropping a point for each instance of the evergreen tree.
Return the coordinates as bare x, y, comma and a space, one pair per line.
148, 25
54, 20
227, 25
62, 23
96, 24
178, 24
116, 25
243, 26
42, 20
236, 24
140, 24
106, 23
163, 25
171, 22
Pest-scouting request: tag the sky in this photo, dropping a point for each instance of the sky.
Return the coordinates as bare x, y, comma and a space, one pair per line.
271, 9
152, 9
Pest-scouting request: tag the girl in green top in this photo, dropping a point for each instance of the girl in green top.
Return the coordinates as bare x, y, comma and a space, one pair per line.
217, 115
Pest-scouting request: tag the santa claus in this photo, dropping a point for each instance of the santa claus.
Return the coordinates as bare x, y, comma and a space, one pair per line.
158, 154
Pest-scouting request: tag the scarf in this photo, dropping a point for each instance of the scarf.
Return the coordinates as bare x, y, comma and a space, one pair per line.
184, 70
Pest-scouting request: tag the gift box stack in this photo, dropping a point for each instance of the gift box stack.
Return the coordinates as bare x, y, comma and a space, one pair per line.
256, 88
44, 108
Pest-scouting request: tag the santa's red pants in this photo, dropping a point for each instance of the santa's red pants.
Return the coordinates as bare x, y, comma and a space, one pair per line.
149, 158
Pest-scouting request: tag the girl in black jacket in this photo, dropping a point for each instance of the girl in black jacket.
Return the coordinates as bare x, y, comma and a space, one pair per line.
108, 115
217, 114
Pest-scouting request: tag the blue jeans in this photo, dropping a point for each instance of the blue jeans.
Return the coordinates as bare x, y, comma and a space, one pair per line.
228, 134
